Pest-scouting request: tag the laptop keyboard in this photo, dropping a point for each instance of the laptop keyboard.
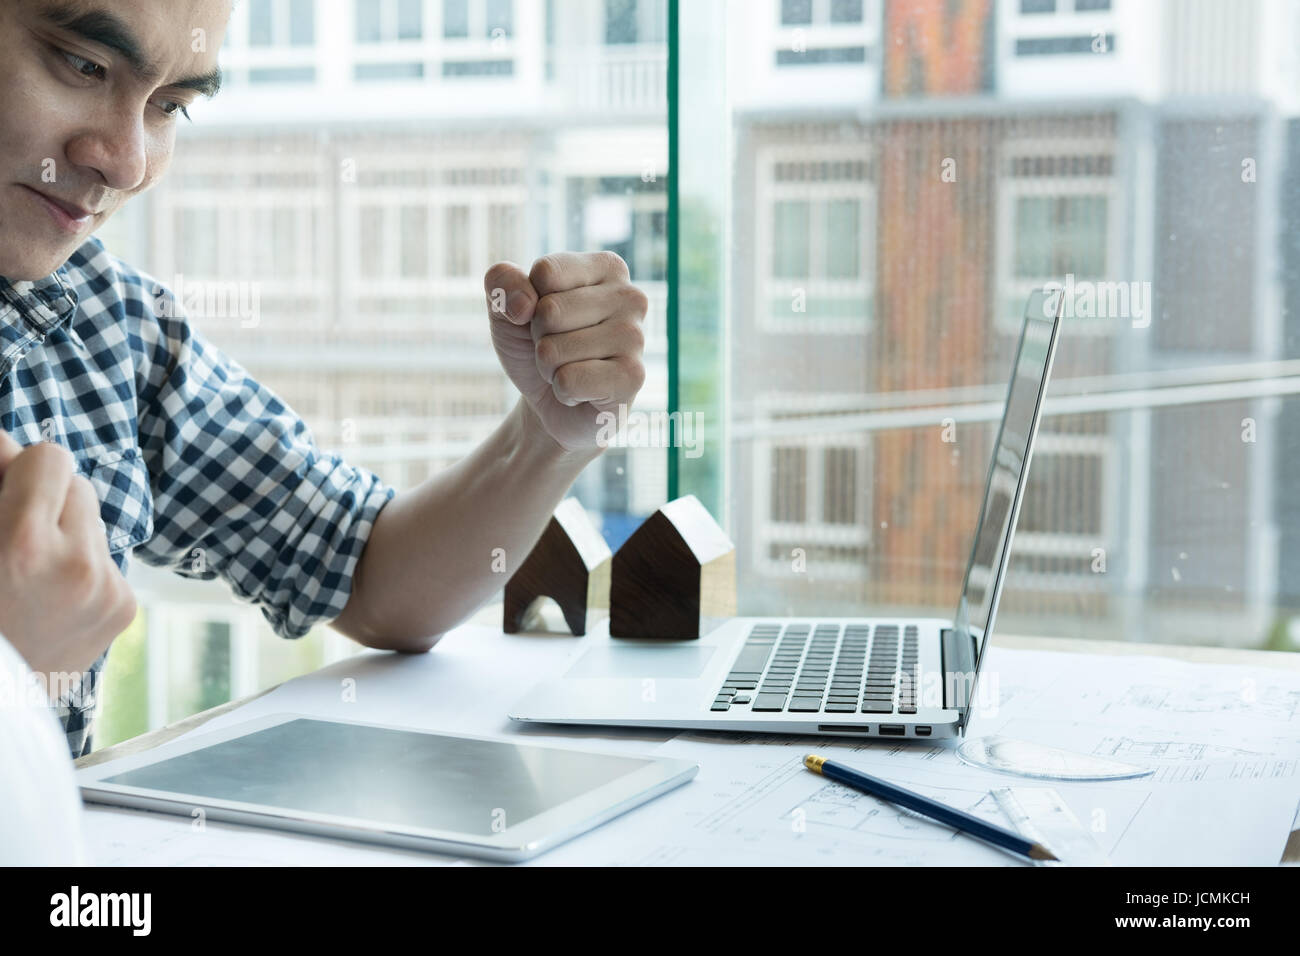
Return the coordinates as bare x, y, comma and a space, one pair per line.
827, 668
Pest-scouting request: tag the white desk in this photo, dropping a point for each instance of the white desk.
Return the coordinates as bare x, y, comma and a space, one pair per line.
467, 684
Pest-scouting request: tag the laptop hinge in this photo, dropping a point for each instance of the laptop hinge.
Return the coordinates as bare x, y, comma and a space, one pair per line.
958, 670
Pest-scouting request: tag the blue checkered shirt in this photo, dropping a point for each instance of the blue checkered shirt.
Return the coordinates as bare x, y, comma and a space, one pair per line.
199, 468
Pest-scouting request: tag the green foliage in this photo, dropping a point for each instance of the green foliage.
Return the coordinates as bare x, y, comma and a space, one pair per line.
125, 687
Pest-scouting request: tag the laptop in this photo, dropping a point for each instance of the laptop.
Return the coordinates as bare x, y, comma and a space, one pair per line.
849, 677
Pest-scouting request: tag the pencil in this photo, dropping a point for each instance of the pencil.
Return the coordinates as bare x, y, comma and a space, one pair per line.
957, 819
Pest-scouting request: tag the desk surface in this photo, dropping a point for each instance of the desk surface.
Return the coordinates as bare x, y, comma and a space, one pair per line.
1204, 655
1207, 655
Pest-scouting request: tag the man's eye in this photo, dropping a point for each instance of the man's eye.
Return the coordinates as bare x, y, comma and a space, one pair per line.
87, 68
172, 108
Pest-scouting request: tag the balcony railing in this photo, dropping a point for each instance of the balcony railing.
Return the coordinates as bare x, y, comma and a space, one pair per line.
631, 79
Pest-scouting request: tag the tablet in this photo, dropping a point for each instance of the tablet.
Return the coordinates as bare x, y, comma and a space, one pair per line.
471, 796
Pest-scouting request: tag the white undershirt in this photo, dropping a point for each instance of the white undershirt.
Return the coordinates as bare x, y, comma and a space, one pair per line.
40, 807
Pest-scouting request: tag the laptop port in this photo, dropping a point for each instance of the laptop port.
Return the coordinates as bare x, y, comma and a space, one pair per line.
893, 730
922, 730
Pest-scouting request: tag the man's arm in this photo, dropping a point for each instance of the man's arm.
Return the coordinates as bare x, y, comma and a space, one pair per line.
569, 336
428, 563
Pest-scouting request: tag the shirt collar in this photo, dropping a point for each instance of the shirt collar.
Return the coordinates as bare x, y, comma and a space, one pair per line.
44, 304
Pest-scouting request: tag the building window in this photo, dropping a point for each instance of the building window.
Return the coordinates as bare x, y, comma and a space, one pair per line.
790, 218
478, 19
281, 23
455, 19
1056, 235
846, 11
1055, 46
807, 13
826, 32
635, 21
815, 231
815, 504
843, 239
260, 23
796, 12
504, 236
282, 74
1069, 513
789, 485
622, 214
389, 71
1037, 28
840, 486
1050, 6
456, 241
478, 67
414, 238
1057, 217
620, 21
410, 19
384, 21
500, 18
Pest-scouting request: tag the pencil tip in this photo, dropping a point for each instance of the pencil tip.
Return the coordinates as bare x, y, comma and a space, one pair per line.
1040, 852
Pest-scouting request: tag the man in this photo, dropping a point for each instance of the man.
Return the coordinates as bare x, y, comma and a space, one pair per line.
123, 425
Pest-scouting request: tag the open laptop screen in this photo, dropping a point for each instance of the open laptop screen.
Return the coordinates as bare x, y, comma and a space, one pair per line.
978, 604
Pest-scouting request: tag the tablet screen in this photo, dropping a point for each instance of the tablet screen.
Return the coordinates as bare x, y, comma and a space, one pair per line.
381, 775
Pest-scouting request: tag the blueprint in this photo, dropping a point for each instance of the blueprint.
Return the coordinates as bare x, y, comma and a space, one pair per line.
1224, 742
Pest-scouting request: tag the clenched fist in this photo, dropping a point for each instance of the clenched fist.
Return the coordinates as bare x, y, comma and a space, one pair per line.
62, 599
569, 335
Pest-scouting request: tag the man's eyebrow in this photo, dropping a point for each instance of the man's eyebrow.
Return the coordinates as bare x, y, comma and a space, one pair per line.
206, 85
106, 28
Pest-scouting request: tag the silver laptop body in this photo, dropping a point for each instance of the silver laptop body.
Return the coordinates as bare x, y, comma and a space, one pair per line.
874, 677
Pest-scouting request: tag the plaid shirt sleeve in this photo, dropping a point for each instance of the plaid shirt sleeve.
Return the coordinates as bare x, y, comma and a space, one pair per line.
240, 489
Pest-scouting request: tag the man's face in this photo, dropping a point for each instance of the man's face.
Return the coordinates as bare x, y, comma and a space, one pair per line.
90, 95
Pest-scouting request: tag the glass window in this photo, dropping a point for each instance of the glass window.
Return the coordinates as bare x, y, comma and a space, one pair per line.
790, 233
856, 261
410, 19
789, 484
282, 74
840, 486
302, 22
284, 242
843, 239
370, 21
371, 242
478, 67
261, 15
846, 11
415, 241
500, 18
388, 71
620, 21
197, 252
456, 241
796, 12
367, 244
1059, 235
503, 232
455, 19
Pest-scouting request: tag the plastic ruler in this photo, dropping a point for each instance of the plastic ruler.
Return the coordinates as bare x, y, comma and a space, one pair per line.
1040, 814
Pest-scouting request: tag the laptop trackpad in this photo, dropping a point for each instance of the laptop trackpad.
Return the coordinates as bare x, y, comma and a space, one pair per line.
643, 660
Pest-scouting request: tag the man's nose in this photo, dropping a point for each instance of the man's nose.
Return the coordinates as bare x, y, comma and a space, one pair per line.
115, 146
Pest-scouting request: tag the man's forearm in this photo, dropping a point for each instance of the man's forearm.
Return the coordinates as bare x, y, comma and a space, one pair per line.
429, 562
